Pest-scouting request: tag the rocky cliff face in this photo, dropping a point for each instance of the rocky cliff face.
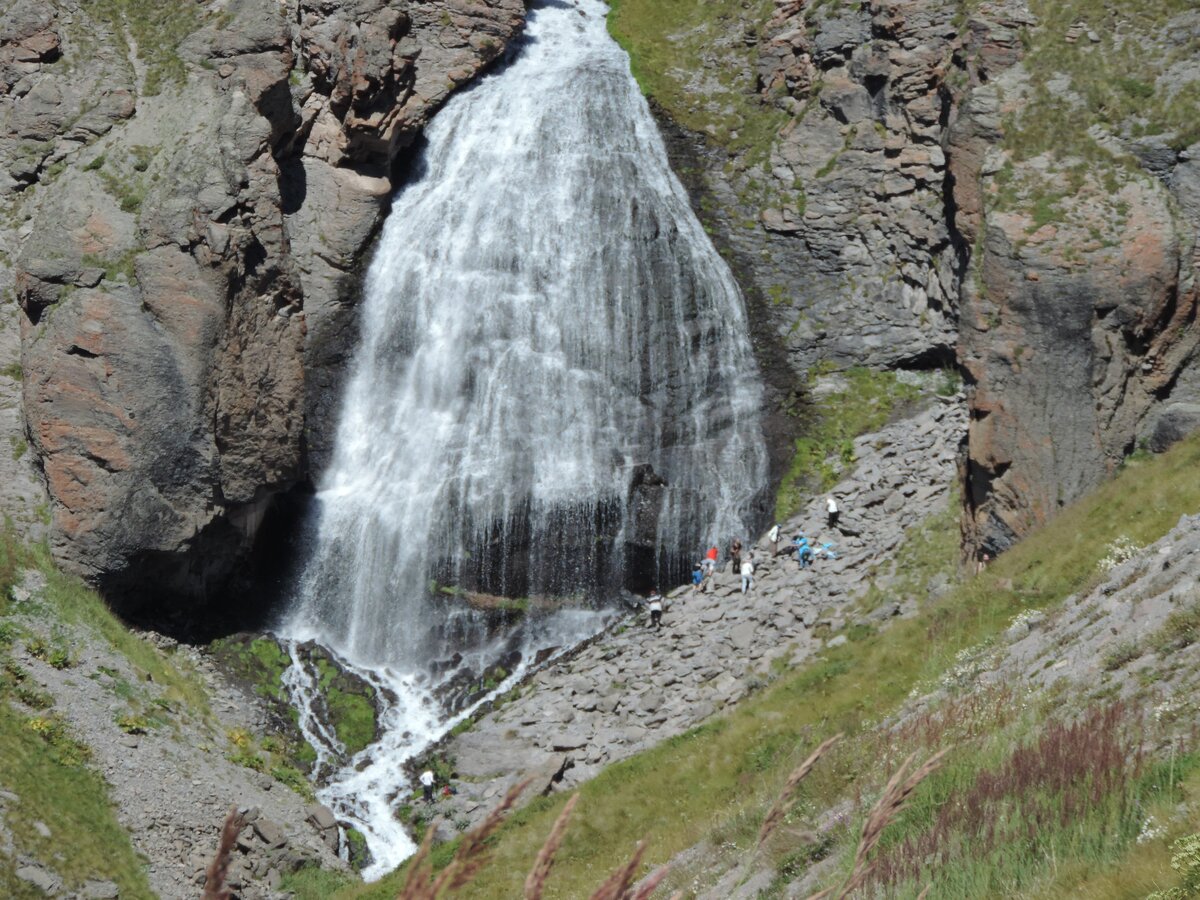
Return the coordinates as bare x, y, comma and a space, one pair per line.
968, 185
187, 202
898, 183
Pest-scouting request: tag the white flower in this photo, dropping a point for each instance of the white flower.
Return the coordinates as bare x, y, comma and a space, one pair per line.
1151, 831
1119, 551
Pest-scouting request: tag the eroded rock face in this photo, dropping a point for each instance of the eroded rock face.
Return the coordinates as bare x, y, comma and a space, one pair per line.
893, 229
1070, 340
1078, 319
184, 253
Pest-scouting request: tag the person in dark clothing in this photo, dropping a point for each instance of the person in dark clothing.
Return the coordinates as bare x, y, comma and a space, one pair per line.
735, 555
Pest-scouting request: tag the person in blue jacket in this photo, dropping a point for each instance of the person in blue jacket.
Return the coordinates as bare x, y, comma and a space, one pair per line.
804, 552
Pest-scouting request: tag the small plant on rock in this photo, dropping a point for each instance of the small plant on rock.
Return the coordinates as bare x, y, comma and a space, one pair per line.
1121, 550
131, 724
1181, 629
1122, 654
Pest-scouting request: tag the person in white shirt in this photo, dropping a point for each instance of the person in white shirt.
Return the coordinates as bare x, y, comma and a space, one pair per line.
655, 604
427, 785
747, 574
773, 537
831, 511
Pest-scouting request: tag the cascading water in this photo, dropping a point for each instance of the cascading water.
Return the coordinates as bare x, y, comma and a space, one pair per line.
544, 318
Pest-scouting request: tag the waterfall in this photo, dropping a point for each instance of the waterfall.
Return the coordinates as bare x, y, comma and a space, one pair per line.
554, 397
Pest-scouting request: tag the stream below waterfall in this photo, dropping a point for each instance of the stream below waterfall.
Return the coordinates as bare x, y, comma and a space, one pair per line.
554, 401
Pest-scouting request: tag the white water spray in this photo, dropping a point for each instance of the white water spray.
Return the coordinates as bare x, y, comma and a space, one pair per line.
544, 315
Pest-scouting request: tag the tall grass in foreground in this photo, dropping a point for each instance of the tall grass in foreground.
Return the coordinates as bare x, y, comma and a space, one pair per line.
1073, 791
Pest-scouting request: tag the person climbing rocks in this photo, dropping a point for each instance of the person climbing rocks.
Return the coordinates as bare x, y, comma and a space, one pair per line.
655, 604
735, 554
831, 511
427, 780
804, 551
747, 574
773, 537
710, 562
697, 578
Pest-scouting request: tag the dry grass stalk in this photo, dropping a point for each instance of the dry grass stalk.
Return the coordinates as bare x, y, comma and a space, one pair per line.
893, 801
787, 799
470, 857
619, 885
925, 893
419, 870
218, 869
651, 884
535, 884
616, 885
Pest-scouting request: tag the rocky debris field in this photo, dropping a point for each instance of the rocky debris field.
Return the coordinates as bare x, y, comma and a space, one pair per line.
1136, 636
169, 771
637, 686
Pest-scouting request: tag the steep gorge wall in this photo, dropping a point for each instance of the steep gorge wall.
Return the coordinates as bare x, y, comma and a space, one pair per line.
966, 184
186, 203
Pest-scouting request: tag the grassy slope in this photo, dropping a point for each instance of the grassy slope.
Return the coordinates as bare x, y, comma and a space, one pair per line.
1115, 79
686, 55
715, 781
46, 768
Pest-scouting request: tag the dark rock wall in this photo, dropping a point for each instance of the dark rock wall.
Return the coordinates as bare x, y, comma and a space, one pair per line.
184, 252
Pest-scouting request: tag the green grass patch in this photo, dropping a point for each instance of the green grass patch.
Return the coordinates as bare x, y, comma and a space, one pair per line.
1113, 82
717, 780
831, 424
259, 662
46, 773
156, 29
350, 704
667, 40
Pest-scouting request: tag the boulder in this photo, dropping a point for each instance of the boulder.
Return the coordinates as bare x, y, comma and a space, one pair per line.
1175, 422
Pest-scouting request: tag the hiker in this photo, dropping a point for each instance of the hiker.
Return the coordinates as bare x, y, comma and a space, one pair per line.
427, 785
831, 511
697, 578
735, 554
773, 537
804, 552
747, 574
983, 563
710, 562
655, 604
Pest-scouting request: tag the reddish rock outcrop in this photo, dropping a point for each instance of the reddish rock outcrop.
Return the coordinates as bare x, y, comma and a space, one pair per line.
1070, 335
186, 266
